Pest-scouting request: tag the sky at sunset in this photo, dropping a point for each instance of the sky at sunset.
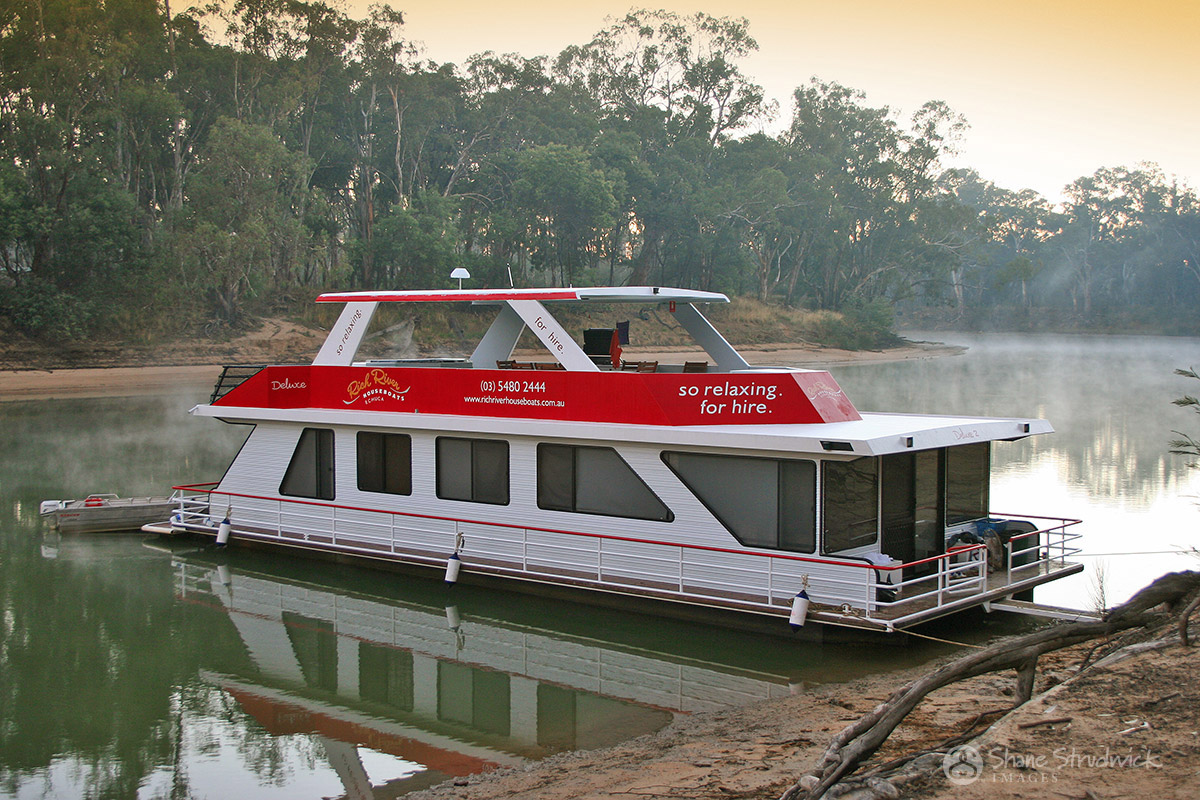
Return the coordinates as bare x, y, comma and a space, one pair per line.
1052, 90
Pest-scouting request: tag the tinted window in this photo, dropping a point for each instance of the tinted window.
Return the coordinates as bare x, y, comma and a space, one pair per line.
851, 501
763, 502
472, 469
594, 480
385, 462
310, 472
967, 470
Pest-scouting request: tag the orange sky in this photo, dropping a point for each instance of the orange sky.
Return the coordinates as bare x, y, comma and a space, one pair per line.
1052, 90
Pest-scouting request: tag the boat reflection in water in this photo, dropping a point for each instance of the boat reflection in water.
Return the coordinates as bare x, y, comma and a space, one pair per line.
448, 692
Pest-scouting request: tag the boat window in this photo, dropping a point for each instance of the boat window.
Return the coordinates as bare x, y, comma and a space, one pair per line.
310, 472
472, 469
385, 462
477, 698
385, 675
967, 470
850, 498
594, 480
763, 502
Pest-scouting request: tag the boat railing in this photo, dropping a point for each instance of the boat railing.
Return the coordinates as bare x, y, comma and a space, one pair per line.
195, 501
755, 579
964, 572
1038, 549
233, 376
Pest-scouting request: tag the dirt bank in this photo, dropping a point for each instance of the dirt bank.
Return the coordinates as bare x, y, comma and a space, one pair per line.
29, 372
1132, 729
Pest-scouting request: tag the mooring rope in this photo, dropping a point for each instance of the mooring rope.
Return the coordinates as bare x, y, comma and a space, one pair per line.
944, 641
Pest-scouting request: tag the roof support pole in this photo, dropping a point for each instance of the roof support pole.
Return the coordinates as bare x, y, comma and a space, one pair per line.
709, 338
552, 334
500, 340
346, 335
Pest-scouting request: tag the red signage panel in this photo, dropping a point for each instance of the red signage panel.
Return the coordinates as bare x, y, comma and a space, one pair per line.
614, 397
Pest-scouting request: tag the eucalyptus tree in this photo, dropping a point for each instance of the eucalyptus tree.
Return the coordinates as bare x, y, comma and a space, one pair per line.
81, 116
873, 211
511, 107
674, 82
239, 232
758, 193
1183, 235
1006, 239
852, 152
1114, 232
567, 203
381, 58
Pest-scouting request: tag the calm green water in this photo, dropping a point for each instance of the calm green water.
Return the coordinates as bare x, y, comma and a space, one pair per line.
134, 667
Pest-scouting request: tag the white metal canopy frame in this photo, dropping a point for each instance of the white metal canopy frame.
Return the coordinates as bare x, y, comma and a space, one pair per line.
523, 308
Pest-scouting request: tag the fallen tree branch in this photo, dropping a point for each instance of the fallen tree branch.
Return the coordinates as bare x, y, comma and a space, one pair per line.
1184, 620
1040, 722
858, 741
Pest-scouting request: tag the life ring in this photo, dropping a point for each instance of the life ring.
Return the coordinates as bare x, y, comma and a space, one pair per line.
92, 502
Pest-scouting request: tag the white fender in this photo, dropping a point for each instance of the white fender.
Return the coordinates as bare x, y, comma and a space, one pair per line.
453, 620
799, 610
223, 532
453, 565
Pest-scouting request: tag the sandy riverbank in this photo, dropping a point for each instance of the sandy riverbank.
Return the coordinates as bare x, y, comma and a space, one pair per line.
118, 380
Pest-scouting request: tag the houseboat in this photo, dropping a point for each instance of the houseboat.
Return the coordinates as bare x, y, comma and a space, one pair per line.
709, 483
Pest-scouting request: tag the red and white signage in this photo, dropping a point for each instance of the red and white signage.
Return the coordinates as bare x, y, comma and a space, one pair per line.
615, 397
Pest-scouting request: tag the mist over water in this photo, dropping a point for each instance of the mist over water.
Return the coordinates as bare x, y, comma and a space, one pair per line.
1109, 399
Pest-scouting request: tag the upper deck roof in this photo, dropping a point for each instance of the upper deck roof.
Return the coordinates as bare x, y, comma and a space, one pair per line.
598, 294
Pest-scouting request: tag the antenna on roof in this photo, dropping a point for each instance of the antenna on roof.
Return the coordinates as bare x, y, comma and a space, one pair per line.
460, 273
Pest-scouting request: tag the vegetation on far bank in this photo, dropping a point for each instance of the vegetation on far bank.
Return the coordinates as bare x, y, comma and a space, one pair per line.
292, 333
162, 174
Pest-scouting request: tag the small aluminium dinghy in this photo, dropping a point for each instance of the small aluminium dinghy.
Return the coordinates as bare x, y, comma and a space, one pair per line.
99, 513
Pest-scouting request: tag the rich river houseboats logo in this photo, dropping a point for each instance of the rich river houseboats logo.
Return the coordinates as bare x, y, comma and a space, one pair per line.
375, 387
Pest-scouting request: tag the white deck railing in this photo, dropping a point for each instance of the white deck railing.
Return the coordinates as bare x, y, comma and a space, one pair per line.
755, 579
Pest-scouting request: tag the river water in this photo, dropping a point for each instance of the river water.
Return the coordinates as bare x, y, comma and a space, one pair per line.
144, 668
1109, 399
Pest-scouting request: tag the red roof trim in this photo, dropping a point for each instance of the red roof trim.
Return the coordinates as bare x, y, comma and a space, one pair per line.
435, 296
597, 294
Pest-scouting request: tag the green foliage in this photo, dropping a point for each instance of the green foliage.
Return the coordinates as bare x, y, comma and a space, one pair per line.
860, 326
1186, 444
415, 246
155, 169
42, 311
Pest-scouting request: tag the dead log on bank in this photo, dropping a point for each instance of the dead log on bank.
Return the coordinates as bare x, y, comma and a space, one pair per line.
859, 740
